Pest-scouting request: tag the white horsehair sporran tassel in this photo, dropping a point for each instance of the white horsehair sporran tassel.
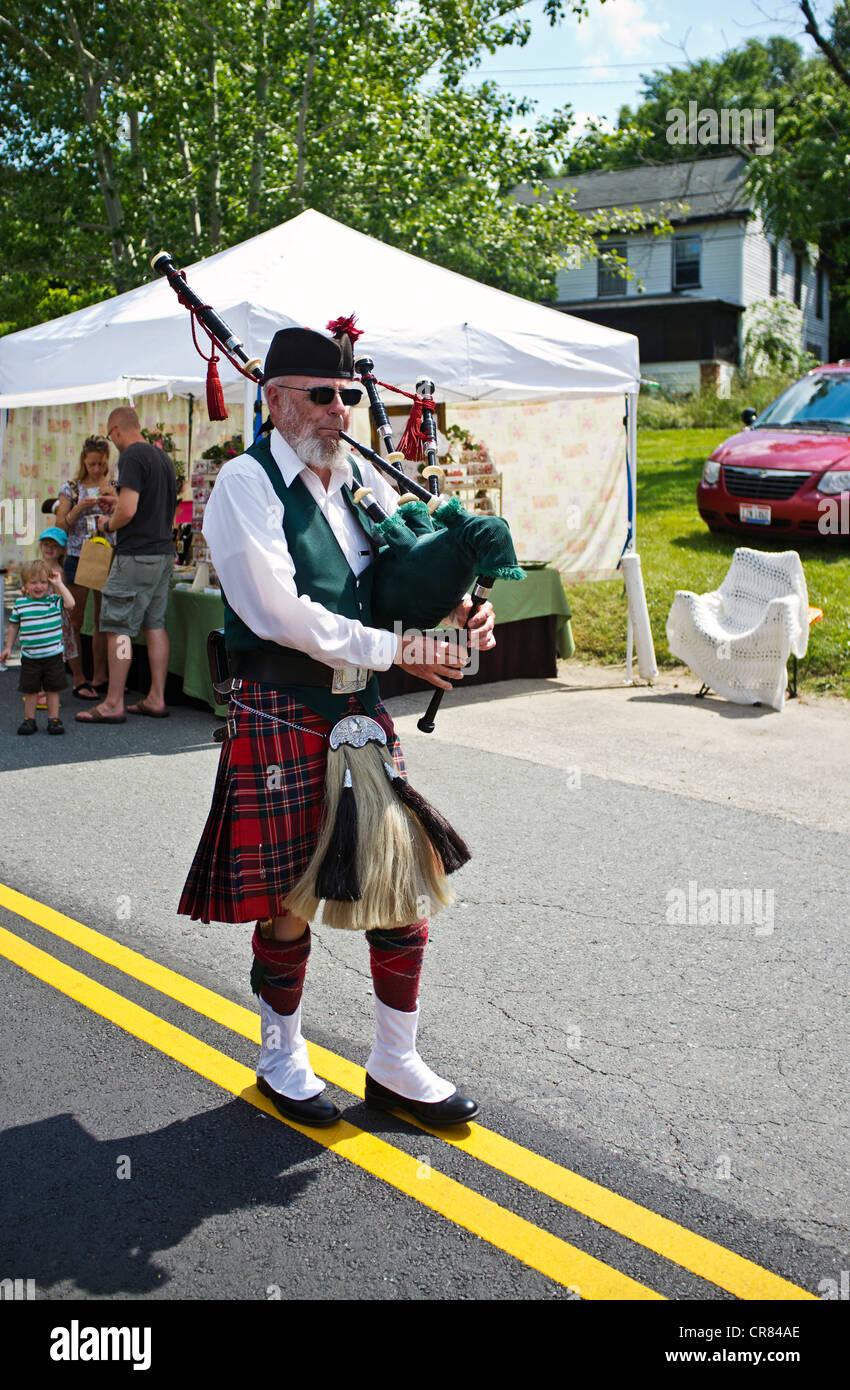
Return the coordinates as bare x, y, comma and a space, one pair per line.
375, 864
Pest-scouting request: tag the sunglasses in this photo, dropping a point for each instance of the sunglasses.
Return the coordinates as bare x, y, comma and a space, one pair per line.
323, 395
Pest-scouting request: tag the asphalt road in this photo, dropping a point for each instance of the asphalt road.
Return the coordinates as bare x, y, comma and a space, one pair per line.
611, 1011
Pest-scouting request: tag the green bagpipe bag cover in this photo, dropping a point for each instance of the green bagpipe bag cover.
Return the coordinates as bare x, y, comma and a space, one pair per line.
418, 581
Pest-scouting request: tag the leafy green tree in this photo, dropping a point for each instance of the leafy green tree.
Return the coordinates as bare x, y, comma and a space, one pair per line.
128, 125
773, 331
760, 74
803, 190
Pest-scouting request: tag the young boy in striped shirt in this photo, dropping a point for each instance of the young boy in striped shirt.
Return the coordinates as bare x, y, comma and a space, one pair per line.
37, 616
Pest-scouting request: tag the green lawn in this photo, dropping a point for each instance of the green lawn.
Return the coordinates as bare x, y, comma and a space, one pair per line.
678, 551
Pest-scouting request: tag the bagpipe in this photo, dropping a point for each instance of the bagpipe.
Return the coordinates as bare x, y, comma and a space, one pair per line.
431, 553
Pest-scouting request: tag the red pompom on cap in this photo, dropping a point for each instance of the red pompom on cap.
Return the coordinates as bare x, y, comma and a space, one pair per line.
337, 327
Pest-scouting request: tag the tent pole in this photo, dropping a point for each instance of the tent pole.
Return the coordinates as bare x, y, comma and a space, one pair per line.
631, 469
631, 460
248, 418
189, 441
4, 418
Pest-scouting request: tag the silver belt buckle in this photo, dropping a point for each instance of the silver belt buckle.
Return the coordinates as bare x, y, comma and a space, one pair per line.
350, 679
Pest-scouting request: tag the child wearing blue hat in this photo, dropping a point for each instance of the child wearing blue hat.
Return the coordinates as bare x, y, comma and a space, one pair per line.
52, 543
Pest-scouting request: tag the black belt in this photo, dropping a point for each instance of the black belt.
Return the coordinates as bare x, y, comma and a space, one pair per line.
279, 668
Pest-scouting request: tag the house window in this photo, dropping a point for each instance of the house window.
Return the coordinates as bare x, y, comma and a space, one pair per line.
686, 263
610, 278
798, 281
819, 292
774, 270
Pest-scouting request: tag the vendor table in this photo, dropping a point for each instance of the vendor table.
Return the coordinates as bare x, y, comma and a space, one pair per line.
532, 617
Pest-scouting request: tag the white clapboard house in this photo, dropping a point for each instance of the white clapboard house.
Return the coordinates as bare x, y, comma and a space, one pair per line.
687, 302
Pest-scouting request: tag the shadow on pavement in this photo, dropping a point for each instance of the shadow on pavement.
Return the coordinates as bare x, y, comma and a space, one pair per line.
70, 1217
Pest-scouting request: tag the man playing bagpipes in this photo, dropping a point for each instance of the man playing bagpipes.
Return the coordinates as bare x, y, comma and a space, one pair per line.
311, 804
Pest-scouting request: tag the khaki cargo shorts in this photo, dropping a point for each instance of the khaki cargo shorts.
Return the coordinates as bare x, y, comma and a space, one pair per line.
135, 595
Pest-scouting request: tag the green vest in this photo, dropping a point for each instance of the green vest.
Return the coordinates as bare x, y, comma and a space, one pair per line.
322, 572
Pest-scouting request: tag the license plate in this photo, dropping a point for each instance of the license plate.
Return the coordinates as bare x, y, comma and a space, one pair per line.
761, 515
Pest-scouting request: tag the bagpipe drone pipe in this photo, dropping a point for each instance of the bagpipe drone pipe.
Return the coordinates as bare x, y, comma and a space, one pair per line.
382, 849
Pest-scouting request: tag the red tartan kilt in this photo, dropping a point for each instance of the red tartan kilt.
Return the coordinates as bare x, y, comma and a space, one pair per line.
266, 809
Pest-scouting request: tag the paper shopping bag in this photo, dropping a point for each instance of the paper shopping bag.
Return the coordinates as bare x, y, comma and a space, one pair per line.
94, 563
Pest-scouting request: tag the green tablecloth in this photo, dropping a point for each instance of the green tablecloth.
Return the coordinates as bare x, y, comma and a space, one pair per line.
191, 616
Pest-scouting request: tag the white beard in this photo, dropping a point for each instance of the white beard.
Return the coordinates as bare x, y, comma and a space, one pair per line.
321, 453
316, 452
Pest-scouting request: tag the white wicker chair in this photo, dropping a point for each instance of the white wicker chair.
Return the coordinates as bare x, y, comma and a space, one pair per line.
738, 639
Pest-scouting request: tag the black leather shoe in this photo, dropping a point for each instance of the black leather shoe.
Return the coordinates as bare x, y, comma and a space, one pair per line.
454, 1110
318, 1111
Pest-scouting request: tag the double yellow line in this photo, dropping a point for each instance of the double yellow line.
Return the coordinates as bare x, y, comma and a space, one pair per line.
551, 1256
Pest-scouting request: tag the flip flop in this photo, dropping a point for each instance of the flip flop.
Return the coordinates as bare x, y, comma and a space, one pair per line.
95, 717
141, 708
86, 685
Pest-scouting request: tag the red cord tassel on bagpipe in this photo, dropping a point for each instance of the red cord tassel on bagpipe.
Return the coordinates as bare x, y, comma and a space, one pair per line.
216, 409
411, 441
216, 330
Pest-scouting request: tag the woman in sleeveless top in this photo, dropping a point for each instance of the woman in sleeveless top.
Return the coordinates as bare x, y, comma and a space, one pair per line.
78, 507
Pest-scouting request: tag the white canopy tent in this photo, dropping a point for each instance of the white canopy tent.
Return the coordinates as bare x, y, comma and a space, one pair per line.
480, 345
475, 342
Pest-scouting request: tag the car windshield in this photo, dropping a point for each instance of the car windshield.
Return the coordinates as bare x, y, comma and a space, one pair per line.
819, 402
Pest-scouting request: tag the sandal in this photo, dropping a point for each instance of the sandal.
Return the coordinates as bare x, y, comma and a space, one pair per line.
86, 685
97, 718
55, 726
29, 726
142, 708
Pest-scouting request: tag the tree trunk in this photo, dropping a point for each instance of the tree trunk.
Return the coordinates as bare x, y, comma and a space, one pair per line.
827, 49
122, 250
304, 107
191, 192
136, 148
215, 157
258, 151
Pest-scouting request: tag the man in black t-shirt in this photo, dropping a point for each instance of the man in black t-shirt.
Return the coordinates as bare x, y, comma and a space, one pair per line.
136, 593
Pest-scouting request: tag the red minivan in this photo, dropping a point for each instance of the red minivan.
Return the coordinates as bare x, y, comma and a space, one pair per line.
789, 470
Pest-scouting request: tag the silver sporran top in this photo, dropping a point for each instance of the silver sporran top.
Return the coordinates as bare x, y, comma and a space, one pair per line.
357, 730
350, 679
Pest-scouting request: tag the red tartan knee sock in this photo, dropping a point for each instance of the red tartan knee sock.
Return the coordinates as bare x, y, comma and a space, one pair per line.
277, 974
396, 961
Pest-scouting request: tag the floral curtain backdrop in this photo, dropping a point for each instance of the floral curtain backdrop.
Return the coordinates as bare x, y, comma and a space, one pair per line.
562, 463
40, 450
563, 466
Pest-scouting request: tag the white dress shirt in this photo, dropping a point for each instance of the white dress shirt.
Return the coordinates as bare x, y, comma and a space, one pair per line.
243, 526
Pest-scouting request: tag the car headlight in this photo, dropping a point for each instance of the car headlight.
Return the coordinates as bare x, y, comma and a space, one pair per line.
711, 472
835, 481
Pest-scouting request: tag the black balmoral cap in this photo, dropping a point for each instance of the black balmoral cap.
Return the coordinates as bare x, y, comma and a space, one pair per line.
303, 352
